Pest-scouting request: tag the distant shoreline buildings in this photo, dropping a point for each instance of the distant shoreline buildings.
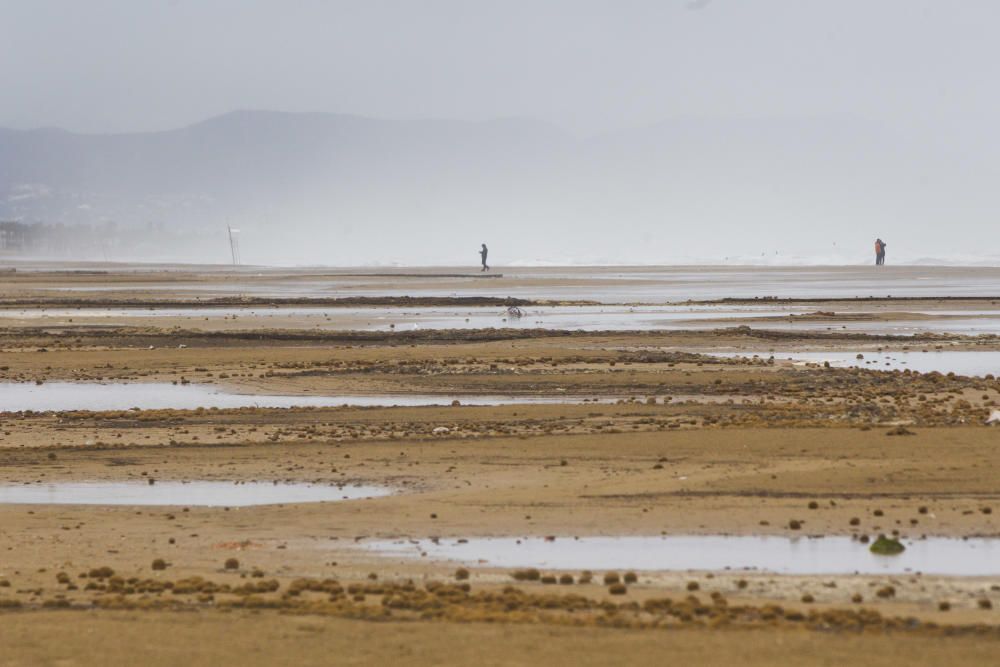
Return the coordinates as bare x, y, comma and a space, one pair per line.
103, 241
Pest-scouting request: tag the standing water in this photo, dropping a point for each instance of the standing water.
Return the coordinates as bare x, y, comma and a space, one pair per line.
824, 555
207, 494
56, 396
960, 362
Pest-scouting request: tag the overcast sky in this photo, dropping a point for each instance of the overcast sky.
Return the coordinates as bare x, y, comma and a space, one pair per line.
586, 65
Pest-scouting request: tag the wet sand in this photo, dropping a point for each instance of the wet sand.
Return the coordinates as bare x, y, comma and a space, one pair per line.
649, 285
683, 444
264, 639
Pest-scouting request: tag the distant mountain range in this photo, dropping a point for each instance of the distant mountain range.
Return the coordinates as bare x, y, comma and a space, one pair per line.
266, 157
339, 188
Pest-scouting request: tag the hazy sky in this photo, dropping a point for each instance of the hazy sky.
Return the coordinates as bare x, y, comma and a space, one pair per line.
587, 65
788, 126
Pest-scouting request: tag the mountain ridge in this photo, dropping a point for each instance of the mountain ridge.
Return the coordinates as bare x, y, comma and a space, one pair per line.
360, 184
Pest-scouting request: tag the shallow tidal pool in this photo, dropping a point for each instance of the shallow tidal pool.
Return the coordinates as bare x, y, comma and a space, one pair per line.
195, 493
783, 555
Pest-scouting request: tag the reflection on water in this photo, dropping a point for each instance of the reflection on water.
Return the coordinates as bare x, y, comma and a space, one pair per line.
586, 318
603, 284
209, 494
20, 396
583, 318
984, 323
960, 362
825, 555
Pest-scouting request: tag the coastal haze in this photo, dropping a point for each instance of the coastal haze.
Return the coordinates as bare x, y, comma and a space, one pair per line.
481, 332
381, 134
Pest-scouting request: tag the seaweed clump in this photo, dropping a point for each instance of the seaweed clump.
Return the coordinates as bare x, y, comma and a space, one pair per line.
886, 546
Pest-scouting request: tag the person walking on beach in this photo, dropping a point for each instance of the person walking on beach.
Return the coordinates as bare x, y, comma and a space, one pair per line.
879, 252
485, 251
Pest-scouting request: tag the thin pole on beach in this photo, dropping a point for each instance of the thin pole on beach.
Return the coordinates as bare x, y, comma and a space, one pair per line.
232, 246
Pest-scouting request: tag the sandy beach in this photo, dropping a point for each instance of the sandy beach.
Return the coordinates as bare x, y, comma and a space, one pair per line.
602, 423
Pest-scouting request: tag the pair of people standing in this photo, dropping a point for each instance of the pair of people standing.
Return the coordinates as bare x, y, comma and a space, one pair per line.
879, 252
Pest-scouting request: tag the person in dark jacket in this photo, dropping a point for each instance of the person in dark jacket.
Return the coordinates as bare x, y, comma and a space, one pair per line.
482, 253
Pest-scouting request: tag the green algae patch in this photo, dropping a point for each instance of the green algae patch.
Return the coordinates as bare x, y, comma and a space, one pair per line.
885, 546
